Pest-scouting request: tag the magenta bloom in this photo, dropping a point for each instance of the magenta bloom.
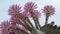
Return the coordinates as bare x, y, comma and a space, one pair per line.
37, 13
4, 27
14, 19
50, 10
25, 14
30, 6
14, 10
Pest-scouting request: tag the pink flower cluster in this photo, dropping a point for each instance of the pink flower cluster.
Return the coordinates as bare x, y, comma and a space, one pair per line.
15, 13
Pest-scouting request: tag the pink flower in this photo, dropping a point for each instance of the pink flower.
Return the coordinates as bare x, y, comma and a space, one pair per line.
50, 10
14, 20
4, 27
30, 6
25, 14
37, 13
14, 10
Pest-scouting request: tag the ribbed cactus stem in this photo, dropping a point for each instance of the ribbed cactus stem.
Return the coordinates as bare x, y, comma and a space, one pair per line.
47, 17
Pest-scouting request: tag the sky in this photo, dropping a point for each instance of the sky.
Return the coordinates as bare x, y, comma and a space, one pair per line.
5, 4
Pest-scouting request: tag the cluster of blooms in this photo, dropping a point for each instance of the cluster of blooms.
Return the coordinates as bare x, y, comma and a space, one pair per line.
19, 22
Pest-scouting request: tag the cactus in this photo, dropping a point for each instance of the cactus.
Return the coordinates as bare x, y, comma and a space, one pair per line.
20, 22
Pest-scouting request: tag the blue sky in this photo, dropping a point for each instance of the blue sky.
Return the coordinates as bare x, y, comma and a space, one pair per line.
5, 4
